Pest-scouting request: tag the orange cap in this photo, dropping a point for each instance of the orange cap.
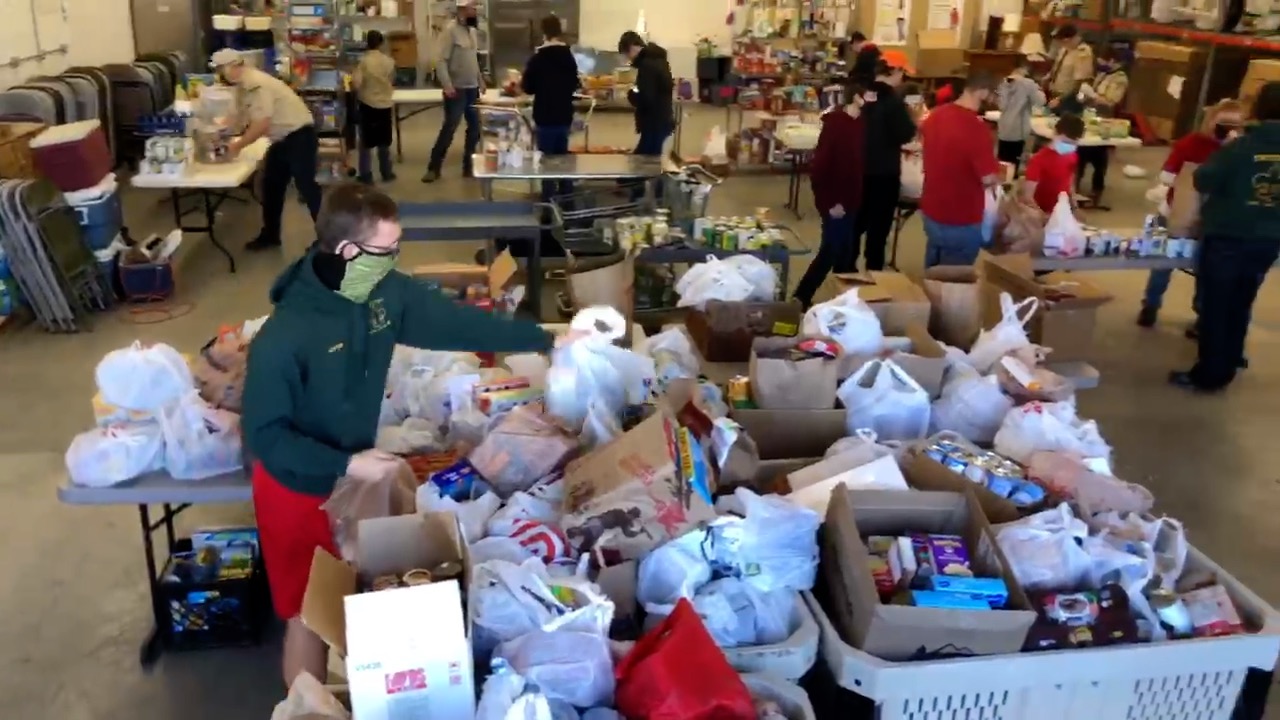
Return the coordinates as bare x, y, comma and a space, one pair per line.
897, 59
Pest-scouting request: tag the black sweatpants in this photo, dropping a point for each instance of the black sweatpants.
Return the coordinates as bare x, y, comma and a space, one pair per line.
1097, 157
1229, 273
875, 219
1010, 151
293, 157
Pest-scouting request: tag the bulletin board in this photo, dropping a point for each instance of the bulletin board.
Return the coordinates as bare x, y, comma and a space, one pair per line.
31, 29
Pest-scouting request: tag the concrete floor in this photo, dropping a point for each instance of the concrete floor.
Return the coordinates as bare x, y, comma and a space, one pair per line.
70, 623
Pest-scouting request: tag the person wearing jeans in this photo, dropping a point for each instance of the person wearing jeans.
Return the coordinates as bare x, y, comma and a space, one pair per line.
551, 77
458, 70
959, 167
836, 174
651, 96
1240, 217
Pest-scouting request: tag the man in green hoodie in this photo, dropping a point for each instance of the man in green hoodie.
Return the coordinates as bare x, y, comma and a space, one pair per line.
316, 375
1240, 219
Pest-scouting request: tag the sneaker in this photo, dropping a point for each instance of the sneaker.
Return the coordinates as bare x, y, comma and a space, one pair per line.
365, 179
1147, 316
431, 176
262, 243
389, 177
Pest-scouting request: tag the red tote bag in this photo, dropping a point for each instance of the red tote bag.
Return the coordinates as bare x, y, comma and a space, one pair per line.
676, 672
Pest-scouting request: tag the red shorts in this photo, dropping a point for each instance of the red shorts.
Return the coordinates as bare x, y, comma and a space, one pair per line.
291, 526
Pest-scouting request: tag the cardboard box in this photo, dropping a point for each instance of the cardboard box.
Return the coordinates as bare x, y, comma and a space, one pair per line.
403, 48
900, 632
812, 486
634, 493
786, 434
1065, 324
1260, 72
893, 297
924, 473
498, 277
724, 331
1164, 85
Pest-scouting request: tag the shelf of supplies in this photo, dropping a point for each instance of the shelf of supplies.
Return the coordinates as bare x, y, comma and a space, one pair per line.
1192, 35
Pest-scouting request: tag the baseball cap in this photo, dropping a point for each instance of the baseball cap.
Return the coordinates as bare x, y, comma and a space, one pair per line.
897, 59
225, 56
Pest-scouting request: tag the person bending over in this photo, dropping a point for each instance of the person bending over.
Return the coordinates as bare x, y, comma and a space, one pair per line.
1052, 170
317, 371
960, 167
836, 176
1240, 219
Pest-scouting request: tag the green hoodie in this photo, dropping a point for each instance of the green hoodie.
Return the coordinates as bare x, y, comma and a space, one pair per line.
318, 367
1241, 186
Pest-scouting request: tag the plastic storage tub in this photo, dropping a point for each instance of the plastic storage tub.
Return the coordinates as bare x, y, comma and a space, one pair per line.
789, 659
791, 697
100, 218
73, 156
1196, 679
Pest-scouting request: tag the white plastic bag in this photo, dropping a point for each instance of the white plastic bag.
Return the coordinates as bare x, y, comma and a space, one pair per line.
738, 614
499, 693
716, 147
143, 378
599, 427
1008, 335
501, 548
776, 546
573, 666
713, 279
847, 320
1048, 427
1043, 550
882, 397
912, 178
991, 212
1063, 236
594, 370
761, 275
114, 454
673, 571
971, 404
472, 514
510, 600
1131, 532
200, 441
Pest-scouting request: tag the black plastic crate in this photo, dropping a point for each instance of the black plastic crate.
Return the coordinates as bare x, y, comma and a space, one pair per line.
217, 613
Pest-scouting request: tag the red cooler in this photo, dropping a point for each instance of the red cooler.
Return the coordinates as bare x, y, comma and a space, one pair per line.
73, 156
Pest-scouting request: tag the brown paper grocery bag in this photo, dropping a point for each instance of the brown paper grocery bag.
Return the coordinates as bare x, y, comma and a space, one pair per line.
1184, 211
779, 383
956, 314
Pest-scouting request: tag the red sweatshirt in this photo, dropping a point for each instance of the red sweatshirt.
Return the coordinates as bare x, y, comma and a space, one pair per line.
1193, 147
836, 170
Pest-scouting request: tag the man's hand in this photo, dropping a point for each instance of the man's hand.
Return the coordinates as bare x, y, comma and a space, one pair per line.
836, 211
1054, 102
451, 92
234, 147
372, 465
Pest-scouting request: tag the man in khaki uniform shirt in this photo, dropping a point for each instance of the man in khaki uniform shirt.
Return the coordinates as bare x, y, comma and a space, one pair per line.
1074, 64
275, 112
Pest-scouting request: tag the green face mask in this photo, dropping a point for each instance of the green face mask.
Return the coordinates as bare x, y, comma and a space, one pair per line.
363, 274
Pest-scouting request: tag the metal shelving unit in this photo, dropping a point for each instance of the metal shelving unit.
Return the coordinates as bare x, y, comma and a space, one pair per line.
317, 71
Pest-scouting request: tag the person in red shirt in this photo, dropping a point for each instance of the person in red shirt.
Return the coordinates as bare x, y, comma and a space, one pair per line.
836, 176
1220, 121
1052, 170
959, 166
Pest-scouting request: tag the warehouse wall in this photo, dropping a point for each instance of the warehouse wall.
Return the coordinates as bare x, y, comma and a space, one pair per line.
100, 31
674, 24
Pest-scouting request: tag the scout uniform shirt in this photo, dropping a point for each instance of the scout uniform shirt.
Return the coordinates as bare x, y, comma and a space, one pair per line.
1072, 67
373, 79
264, 96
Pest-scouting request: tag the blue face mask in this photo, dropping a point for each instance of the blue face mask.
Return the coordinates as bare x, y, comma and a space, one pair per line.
1064, 147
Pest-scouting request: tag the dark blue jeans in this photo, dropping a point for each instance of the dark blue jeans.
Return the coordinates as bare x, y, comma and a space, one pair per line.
650, 143
554, 141
951, 244
1229, 273
461, 105
835, 254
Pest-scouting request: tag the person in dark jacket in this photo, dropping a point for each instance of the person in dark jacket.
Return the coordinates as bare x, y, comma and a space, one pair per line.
1240, 221
866, 56
317, 371
551, 77
836, 174
888, 126
651, 95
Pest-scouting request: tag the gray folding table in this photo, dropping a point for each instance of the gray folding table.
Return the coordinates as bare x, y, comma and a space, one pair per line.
173, 496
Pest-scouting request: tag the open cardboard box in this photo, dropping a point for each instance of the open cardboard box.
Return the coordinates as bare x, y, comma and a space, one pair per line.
499, 277
901, 632
1064, 324
893, 297
924, 473
724, 331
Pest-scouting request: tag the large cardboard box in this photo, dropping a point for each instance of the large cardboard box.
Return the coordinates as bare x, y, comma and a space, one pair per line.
1260, 72
1068, 307
636, 492
724, 331
498, 277
1165, 85
413, 639
893, 297
902, 632
786, 434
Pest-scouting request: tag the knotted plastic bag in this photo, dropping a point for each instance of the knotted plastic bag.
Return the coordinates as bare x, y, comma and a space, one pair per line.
1008, 335
847, 320
143, 378
884, 398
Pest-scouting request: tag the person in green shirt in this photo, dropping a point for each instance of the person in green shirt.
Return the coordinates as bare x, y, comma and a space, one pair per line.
1240, 221
316, 376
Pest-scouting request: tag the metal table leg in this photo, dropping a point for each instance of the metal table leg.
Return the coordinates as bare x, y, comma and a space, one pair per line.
399, 147
793, 185
153, 646
210, 214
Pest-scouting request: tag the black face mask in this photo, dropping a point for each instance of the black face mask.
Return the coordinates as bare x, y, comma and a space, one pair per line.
473, 21
1222, 131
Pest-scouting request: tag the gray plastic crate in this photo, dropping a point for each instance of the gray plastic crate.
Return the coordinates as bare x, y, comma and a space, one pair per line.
789, 659
793, 699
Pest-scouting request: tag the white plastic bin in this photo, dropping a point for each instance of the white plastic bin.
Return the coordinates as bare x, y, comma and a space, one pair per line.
1178, 680
789, 659
791, 697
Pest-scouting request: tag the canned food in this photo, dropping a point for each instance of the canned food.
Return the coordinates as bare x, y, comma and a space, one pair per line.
739, 391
